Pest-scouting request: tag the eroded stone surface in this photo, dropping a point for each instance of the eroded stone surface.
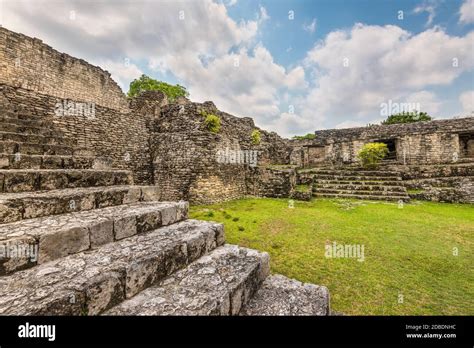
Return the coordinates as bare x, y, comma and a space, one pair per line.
61, 235
219, 283
283, 296
93, 281
24, 180
29, 205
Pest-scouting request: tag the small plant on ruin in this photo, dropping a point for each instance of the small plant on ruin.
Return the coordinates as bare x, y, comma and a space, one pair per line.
213, 122
407, 117
255, 136
372, 153
308, 136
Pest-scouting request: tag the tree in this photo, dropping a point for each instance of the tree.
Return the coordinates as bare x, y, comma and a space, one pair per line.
145, 83
407, 117
308, 136
372, 153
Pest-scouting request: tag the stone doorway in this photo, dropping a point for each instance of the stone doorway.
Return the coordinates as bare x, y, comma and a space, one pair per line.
392, 147
466, 145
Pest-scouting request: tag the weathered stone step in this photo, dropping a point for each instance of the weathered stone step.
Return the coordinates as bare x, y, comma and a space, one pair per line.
280, 295
57, 236
91, 282
36, 139
219, 283
24, 120
22, 180
361, 192
357, 178
29, 205
27, 128
19, 161
348, 187
360, 182
11, 147
366, 197
377, 173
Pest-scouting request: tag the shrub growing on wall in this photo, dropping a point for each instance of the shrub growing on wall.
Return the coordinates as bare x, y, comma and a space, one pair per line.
372, 153
255, 136
213, 122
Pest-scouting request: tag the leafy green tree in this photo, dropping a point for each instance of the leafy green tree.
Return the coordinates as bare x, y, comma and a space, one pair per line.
146, 83
372, 153
407, 117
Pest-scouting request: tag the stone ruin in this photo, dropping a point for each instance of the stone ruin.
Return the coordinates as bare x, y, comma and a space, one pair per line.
94, 192
427, 160
93, 198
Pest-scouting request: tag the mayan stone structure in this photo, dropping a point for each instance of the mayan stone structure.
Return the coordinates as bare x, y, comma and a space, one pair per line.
92, 216
433, 160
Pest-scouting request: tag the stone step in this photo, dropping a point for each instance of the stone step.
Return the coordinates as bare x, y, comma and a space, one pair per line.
359, 182
347, 187
36, 139
404, 198
57, 236
280, 295
30, 205
23, 118
27, 128
357, 178
11, 147
361, 192
19, 161
219, 283
377, 173
91, 282
22, 180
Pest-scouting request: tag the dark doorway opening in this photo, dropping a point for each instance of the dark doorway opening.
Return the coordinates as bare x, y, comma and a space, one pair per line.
466, 145
392, 147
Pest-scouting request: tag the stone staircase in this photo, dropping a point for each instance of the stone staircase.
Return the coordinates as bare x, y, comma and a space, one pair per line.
359, 184
75, 240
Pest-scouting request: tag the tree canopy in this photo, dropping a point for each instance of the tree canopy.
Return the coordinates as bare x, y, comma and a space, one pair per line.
146, 83
407, 117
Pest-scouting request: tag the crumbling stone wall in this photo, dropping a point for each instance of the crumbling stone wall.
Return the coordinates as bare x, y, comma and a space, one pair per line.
421, 142
30, 64
185, 152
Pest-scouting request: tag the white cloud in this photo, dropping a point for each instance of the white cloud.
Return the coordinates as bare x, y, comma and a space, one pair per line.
122, 72
466, 12
394, 65
231, 3
263, 14
310, 28
427, 102
467, 101
428, 7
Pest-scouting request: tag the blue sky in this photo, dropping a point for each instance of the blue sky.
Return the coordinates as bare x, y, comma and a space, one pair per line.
333, 64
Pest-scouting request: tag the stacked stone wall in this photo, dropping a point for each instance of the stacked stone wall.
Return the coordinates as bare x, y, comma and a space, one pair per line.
30, 64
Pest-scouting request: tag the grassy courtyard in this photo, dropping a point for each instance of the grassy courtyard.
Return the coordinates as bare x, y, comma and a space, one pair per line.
418, 258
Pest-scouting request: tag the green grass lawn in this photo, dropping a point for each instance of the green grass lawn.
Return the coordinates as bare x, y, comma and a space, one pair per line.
410, 266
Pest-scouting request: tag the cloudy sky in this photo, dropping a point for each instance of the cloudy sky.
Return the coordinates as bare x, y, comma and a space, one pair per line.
294, 66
